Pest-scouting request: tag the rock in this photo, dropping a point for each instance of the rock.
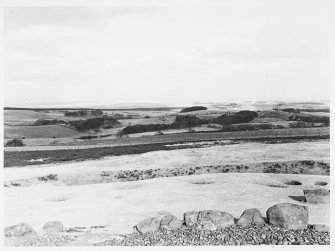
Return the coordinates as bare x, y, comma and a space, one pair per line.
148, 225
191, 218
212, 219
19, 230
19, 235
321, 227
170, 222
288, 215
317, 195
53, 227
251, 216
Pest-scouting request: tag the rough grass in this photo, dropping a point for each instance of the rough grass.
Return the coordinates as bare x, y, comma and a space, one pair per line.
288, 167
23, 158
57, 156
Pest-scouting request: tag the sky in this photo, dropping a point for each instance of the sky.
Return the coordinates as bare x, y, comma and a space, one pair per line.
61, 56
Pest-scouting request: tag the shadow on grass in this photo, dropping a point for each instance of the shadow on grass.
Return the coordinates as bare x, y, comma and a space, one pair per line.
298, 198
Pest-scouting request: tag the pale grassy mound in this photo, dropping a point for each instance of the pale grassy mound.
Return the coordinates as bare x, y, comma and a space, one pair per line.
122, 205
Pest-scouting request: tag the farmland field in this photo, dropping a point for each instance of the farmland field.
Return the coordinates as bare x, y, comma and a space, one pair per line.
180, 137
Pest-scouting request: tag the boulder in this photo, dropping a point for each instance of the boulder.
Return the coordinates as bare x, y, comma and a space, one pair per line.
288, 215
20, 234
148, 225
191, 218
53, 227
317, 195
251, 217
213, 219
321, 228
19, 230
170, 222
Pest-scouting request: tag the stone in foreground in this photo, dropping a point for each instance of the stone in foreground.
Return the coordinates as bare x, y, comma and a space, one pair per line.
148, 225
170, 222
20, 234
287, 215
251, 217
321, 227
53, 227
212, 220
317, 195
191, 218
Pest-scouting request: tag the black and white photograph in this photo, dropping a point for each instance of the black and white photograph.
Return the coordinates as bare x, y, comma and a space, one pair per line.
167, 123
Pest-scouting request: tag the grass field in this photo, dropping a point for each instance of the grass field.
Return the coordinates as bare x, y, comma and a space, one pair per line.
68, 143
200, 136
22, 158
45, 131
28, 117
59, 137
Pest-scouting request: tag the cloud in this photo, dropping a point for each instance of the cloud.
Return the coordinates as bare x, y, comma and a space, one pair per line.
164, 54
23, 17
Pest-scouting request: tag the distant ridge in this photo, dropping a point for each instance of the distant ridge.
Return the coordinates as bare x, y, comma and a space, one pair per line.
88, 108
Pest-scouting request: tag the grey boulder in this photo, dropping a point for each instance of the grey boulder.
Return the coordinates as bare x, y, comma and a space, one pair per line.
191, 218
148, 225
170, 222
287, 215
317, 195
213, 219
53, 227
251, 217
20, 234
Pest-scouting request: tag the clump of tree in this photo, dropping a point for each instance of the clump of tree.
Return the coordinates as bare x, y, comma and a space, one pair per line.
79, 113
181, 121
97, 112
41, 122
187, 121
145, 128
311, 119
299, 110
193, 108
14, 143
94, 123
121, 116
314, 110
290, 110
237, 118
